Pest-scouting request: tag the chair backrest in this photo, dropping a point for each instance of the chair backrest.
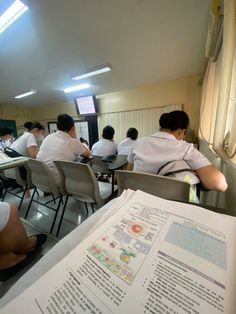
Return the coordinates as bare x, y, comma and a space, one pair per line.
42, 178
21, 174
79, 181
164, 187
98, 165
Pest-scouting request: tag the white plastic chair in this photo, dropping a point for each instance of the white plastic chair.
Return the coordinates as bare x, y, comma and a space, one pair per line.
22, 176
164, 187
79, 181
44, 180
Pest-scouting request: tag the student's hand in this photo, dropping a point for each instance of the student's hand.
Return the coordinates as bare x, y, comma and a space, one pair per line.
130, 166
86, 152
33, 151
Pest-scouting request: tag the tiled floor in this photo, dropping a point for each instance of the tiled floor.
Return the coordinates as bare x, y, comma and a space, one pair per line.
40, 219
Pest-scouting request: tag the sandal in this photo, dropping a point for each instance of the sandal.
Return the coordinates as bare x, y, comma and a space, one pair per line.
7, 273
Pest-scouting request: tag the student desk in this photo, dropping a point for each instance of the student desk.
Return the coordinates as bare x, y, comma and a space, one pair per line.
15, 162
115, 162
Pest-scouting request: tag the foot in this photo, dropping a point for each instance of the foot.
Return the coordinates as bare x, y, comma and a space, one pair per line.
10, 259
36, 241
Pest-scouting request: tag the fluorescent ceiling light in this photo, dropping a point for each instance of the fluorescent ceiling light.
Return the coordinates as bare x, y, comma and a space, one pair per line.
95, 71
30, 92
75, 88
11, 14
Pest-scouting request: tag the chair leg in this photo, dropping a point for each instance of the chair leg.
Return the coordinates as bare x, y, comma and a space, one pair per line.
86, 206
53, 199
4, 195
92, 207
55, 217
62, 215
31, 200
22, 198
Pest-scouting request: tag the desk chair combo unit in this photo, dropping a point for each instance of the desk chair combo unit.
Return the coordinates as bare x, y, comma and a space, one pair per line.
107, 165
79, 181
44, 181
22, 176
100, 168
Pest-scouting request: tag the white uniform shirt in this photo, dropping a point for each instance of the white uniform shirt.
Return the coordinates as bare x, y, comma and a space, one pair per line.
59, 146
152, 152
125, 147
104, 148
22, 144
4, 214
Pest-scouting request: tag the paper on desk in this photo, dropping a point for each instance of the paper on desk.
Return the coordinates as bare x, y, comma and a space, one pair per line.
118, 203
4, 158
151, 255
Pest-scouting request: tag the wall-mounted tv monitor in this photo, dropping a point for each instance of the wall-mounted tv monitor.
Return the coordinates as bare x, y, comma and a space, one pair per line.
86, 105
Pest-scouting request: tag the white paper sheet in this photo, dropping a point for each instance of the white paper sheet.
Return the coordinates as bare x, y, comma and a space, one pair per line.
149, 256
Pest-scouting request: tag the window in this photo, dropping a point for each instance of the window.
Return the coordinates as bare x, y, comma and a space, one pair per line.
218, 99
230, 133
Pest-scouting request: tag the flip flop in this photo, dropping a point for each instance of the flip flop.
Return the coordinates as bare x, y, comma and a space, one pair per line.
41, 239
7, 273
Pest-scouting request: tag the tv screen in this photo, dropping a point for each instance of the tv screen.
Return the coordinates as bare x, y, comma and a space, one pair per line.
85, 105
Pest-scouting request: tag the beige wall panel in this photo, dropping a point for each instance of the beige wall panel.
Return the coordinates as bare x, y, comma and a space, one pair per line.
146, 121
156, 95
17, 113
182, 91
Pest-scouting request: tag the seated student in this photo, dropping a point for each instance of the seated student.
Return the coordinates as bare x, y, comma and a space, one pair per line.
84, 142
152, 152
26, 145
126, 145
62, 145
106, 145
28, 125
6, 135
16, 249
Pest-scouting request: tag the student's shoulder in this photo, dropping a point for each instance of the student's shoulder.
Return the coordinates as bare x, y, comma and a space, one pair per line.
123, 142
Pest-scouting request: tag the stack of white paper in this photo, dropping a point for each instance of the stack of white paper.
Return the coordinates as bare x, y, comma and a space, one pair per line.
146, 255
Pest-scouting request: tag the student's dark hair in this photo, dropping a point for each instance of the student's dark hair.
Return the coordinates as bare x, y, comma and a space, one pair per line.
6, 131
132, 133
37, 125
108, 132
65, 122
174, 120
82, 140
28, 125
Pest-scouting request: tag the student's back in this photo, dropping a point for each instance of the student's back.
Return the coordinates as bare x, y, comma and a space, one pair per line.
125, 147
152, 152
62, 145
106, 145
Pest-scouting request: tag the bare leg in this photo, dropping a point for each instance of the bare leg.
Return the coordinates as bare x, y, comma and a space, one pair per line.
13, 237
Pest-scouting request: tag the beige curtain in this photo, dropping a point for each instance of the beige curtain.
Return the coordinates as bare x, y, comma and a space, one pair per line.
145, 120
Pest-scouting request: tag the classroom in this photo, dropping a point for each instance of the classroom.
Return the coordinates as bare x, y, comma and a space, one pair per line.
120, 102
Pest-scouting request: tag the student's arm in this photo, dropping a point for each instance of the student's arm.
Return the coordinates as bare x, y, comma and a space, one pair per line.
130, 166
211, 178
33, 151
86, 152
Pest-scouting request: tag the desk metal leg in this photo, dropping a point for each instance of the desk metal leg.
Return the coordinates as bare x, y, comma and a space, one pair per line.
112, 182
